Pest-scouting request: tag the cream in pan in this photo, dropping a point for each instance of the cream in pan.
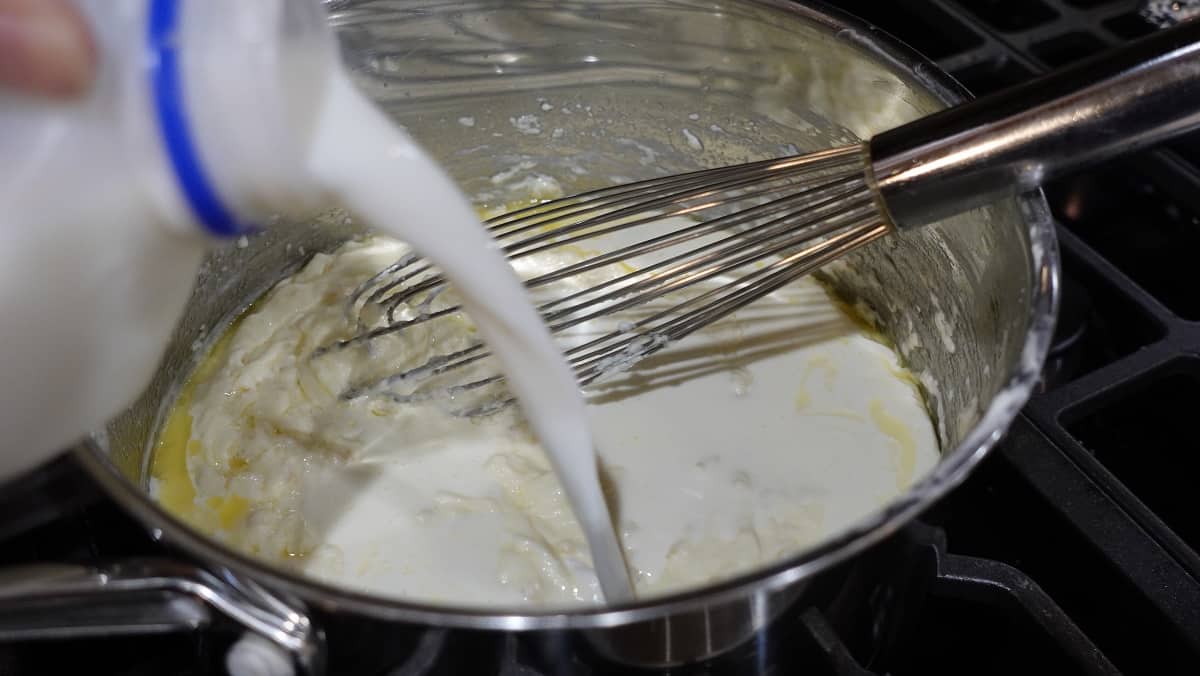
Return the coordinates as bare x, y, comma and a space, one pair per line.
751, 440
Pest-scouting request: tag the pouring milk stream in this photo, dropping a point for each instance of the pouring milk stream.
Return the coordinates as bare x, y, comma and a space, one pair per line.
207, 115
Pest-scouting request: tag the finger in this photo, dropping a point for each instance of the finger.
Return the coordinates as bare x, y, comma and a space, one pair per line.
45, 48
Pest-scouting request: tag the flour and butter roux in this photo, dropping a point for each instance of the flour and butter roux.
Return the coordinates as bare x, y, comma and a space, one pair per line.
746, 443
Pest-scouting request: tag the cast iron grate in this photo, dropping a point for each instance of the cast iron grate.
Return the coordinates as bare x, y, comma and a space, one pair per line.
1011, 15
1068, 48
1116, 462
1140, 227
1146, 436
1128, 26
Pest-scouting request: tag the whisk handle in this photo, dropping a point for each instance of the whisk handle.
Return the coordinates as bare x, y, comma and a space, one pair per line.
1017, 139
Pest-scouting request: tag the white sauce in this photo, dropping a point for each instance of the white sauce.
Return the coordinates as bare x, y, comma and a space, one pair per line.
750, 441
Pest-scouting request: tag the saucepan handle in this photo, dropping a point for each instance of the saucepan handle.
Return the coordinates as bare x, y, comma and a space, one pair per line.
156, 596
1113, 104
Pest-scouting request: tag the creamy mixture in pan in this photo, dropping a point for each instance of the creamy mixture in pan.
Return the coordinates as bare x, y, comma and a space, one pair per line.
749, 441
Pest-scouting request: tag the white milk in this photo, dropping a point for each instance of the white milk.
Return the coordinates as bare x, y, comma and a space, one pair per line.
380, 175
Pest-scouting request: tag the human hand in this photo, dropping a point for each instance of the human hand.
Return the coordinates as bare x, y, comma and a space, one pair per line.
45, 48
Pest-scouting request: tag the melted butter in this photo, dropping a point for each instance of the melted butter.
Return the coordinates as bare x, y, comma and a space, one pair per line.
899, 432
901, 373
858, 313
169, 463
229, 509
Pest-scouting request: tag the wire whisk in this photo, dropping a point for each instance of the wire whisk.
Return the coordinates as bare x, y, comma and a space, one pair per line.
683, 251
622, 272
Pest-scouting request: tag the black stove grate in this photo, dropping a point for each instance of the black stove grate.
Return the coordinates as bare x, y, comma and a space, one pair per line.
1072, 550
1106, 445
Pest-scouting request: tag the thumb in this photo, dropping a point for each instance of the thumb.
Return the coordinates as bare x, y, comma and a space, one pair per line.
45, 48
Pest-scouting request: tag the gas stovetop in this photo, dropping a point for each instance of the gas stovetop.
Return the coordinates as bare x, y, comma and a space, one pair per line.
1073, 548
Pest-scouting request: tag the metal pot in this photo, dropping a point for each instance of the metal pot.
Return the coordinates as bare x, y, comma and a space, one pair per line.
628, 89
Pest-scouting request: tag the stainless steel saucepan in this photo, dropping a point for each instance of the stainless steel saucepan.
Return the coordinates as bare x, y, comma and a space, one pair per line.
632, 88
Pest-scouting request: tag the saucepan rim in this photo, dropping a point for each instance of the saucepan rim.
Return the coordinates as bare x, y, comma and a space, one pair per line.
949, 472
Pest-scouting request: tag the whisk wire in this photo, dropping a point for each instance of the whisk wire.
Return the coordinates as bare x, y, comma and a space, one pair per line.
772, 222
600, 195
602, 211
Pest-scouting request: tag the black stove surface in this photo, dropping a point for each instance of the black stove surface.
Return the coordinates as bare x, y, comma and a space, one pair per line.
1072, 549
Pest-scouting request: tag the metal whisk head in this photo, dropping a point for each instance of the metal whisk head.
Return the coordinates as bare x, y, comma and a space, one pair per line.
665, 257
